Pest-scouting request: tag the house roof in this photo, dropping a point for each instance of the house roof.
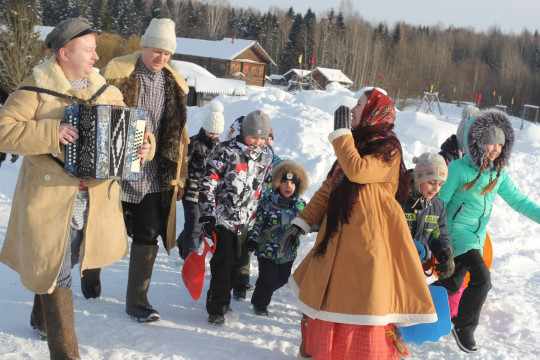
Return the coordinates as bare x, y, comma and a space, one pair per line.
224, 49
203, 81
42, 30
299, 72
334, 75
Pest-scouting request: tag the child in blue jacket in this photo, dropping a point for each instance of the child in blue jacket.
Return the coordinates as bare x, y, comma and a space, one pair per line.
473, 181
274, 216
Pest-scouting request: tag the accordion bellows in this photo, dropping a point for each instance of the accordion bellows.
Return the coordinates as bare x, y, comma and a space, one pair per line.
109, 137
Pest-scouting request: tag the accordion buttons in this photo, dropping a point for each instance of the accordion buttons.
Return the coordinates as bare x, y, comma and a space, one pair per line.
47, 177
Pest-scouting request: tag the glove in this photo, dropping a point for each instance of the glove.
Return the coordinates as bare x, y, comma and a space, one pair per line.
252, 245
342, 118
290, 235
445, 268
209, 223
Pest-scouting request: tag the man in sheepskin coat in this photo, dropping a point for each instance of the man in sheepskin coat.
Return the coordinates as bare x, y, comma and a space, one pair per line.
55, 217
147, 82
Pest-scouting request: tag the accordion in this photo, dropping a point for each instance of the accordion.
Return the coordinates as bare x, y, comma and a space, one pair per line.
109, 137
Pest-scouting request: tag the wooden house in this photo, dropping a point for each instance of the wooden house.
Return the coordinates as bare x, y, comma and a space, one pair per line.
229, 58
324, 76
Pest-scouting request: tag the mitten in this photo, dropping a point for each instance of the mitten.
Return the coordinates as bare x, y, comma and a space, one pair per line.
342, 118
445, 268
209, 223
290, 235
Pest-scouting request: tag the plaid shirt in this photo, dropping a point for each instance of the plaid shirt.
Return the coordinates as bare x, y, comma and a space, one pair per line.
151, 99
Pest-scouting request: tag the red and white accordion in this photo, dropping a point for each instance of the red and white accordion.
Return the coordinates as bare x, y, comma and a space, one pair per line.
109, 137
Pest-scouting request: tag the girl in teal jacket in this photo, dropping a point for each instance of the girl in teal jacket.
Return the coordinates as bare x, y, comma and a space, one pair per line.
468, 193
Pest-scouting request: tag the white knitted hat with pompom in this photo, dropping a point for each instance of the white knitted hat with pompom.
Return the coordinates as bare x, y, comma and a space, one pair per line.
214, 122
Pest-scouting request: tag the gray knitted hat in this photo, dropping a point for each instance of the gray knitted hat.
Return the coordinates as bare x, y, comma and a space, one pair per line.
493, 135
256, 124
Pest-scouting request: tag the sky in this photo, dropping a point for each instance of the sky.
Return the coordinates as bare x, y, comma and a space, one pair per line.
509, 325
509, 16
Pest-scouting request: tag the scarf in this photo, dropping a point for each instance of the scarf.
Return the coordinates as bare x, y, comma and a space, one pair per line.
374, 137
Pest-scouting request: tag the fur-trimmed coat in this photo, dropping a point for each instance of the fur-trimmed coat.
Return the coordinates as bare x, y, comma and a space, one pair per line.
171, 155
45, 194
370, 273
467, 212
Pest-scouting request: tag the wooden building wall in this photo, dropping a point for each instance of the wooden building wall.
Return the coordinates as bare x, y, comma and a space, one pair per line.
254, 69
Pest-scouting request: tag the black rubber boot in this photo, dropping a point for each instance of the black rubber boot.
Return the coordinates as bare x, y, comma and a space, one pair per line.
141, 263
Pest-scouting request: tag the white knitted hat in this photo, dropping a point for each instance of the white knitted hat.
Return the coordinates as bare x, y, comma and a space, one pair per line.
160, 34
214, 122
429, 167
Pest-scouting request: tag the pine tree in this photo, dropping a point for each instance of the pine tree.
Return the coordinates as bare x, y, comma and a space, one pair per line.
20, 48
293, 47
139, 11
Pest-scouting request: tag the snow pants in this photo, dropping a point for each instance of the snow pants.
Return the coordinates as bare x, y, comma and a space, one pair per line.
474, 296
272, 276
231, 253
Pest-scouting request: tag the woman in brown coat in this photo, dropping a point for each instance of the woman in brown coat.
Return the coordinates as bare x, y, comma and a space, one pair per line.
363, 272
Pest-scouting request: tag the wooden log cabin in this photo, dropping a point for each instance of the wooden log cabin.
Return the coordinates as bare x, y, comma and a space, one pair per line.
229, 58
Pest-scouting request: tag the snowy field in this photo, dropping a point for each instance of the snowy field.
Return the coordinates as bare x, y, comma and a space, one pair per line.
509, 326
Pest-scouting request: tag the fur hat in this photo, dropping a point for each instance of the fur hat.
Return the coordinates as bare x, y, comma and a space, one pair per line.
489, 125
293, 170
256, 124
160, 34
214, 122
429, 167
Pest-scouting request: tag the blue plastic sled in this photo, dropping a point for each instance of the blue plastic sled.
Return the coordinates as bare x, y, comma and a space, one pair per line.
421, 333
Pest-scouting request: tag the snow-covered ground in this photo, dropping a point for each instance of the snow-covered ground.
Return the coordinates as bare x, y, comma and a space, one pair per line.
509, 326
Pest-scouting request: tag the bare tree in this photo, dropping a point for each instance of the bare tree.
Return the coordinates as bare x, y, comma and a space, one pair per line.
215, 17
20, 49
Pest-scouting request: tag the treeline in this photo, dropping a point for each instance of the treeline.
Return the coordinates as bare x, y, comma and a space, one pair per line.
458, 63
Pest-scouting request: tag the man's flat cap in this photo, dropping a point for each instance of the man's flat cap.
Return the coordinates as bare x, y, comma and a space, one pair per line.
67, 30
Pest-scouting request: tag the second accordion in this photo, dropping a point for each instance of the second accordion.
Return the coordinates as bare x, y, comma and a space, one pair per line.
109, 137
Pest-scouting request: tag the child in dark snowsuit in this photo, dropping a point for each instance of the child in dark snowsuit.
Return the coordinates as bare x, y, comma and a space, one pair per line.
274, 216
455, 147
237, 172
426, 214
468, 193
199, 148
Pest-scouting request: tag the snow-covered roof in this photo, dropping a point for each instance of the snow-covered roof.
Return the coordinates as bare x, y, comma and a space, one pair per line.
203, 81
190, 71
220, 86
276, 77
334, 75
299, 72
226, 48
42, 30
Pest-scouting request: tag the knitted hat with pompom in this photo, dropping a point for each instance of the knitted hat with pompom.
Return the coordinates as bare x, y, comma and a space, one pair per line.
214, 122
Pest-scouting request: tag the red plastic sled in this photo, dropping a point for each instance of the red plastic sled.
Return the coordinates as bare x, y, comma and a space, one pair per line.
195, 267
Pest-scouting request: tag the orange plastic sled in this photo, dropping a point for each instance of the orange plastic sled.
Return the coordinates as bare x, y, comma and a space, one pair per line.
487, 255
194, 268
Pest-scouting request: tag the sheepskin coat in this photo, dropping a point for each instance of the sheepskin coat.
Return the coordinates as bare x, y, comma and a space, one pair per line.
39, 224
171, 155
